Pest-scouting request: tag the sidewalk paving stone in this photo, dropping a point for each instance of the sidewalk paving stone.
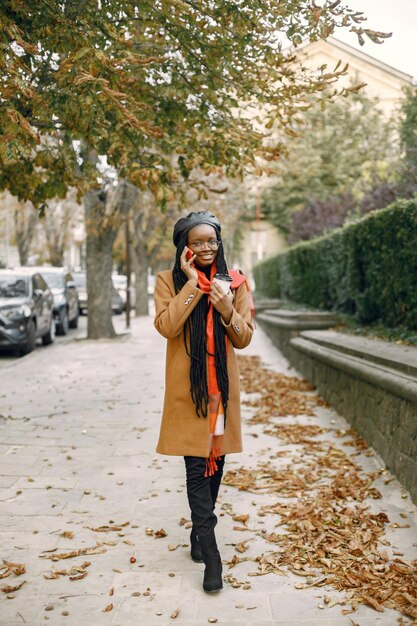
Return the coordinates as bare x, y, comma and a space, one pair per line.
78, 429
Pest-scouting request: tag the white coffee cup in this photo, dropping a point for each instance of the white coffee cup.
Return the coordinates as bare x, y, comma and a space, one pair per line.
224, 281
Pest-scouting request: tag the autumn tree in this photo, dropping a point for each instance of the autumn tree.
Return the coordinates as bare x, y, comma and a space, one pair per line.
151, 229
57, 223
343, 150
159, 88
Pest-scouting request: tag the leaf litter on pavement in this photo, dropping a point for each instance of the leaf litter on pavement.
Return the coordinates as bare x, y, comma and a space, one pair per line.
329, 531
280, 395
97, 549
9, 568
76, 572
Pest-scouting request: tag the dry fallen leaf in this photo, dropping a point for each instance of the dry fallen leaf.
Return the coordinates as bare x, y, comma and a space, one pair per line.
109, 528
175, 614
240, 518
108, 608
11, 568
373, 603
11, 588
67, 534
242, 547
78, 576
69, 555
172, 547
76, 572
159, 533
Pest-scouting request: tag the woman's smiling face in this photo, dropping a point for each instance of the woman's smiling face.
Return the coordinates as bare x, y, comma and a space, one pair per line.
203, 233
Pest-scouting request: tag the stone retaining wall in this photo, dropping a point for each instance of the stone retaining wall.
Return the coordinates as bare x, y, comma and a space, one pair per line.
372, 383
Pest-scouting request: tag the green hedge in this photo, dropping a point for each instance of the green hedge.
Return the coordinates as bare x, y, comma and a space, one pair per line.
367, 269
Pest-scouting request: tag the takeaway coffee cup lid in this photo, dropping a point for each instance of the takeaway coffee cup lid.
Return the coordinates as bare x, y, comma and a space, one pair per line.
224, 277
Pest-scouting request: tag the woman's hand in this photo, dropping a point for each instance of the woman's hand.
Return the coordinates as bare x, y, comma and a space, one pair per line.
186, 264
222, 302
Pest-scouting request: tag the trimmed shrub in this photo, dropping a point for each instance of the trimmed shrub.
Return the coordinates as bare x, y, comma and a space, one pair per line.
368, 269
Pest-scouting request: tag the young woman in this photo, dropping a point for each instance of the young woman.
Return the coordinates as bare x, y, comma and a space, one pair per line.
201, 414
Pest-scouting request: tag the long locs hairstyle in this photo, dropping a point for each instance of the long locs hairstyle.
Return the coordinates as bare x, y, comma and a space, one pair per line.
195, 331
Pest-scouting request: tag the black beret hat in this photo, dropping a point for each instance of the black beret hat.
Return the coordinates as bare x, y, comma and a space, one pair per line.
194, 219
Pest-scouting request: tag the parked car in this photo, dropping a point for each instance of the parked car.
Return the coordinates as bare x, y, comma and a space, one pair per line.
80, 279
117, 304
62, 285
120, 282
26, 310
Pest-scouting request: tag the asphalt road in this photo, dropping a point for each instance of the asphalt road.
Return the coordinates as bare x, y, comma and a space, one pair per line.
9, 357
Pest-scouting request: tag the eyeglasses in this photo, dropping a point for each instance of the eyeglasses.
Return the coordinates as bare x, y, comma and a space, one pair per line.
213, 244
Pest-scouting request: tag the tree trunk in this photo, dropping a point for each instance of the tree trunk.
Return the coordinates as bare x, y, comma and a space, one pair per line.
56, 255
25, 219
100, 239
141, 259
104, 211
141, 280
54, 241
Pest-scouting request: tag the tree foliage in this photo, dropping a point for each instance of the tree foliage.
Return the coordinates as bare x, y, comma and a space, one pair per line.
319, 216
366, 269
58, 223
140, 82
343, 150
408, 135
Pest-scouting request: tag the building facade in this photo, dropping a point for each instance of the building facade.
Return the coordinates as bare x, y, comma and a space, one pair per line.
382, 81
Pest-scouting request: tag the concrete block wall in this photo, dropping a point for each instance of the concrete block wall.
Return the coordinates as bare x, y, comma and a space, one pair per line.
373, 384
386, 421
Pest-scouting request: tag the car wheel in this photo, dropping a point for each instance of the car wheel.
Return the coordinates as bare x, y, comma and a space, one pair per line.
31, 340
74, 322
62, 326
50, 335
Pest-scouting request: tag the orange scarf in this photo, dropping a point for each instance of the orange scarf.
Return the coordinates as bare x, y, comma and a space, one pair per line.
215, 404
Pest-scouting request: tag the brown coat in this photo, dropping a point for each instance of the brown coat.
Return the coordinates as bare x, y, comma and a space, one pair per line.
183, 433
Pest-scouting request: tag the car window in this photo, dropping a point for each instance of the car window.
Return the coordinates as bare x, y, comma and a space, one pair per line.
39, 282
12, 286
120, 281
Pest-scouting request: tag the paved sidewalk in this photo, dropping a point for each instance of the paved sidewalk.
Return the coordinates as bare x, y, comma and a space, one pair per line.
78, 427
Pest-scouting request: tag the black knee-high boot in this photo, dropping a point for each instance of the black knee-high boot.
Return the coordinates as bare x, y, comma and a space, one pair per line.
200, 501
203, 542
213, 571
194, 464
